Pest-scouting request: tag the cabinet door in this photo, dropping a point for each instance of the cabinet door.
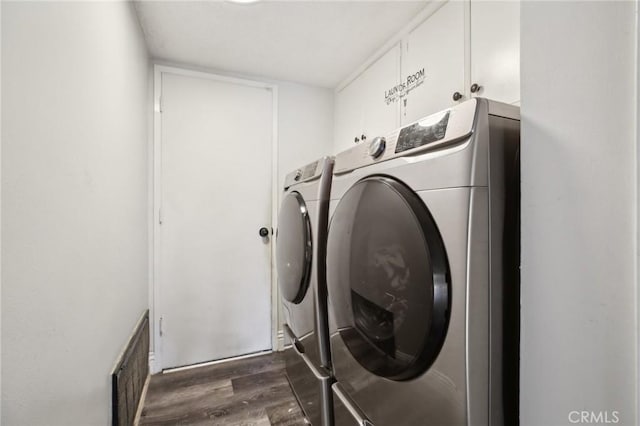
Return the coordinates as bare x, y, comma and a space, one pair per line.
348, 115
437, 46
379, 117
360, 107
495, 49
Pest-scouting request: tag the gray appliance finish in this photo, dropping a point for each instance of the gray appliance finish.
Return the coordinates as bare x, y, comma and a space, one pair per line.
423, 272
300, 260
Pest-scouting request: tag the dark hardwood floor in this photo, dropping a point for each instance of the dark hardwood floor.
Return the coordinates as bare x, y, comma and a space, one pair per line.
248, 392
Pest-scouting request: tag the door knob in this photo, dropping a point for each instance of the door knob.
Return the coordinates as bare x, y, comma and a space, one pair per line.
264, 232
356, 139
457, 96
475, 88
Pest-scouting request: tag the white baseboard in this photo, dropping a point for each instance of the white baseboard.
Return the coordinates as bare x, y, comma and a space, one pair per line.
280, 347
153, 369
219, 361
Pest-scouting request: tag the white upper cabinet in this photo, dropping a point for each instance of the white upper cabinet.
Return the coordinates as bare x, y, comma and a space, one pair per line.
348, 114
460, 49
495, 49
379, 116
437, 46
360, 107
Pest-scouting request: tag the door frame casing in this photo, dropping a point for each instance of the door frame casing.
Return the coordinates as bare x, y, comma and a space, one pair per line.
155, 189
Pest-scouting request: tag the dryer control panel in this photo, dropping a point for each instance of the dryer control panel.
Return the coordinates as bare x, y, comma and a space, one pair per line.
306, 173
432, 132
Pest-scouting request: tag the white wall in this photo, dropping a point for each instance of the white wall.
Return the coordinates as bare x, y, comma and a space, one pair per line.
305, 126
74, 197
579, 283
0, 211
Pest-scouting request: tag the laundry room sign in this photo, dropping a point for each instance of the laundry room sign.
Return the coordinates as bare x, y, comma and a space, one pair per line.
401, 90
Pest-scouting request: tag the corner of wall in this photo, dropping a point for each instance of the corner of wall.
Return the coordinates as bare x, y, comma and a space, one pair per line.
637, 207
0, 211
150, 207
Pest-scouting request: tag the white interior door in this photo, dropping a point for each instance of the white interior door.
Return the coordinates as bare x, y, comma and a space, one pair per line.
216, 173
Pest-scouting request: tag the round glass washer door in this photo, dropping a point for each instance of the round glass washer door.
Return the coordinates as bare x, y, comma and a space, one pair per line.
388, 278
293, 248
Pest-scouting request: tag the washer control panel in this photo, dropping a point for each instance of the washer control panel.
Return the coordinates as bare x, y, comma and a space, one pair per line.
435, 131
424, 132
377, 147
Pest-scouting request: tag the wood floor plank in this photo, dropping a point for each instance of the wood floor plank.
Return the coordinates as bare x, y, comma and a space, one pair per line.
247, 392
286, 414
186, 403
258, 398
252, 382
219, 388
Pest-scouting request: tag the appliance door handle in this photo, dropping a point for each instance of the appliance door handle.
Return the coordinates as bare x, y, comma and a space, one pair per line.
299, 348
350, 405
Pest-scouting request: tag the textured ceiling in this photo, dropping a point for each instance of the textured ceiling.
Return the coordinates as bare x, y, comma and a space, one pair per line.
313, 42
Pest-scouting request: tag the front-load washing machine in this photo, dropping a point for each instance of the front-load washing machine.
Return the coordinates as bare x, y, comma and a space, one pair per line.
300, 260
423, 272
